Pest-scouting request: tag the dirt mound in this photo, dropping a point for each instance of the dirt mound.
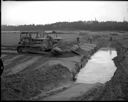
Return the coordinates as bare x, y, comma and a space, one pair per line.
23, 86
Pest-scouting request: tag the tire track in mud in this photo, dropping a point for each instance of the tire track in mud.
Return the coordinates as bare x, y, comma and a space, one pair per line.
37, 64
3, 55
9, 51
8, 61
8, 56
17, 61
23, 65
53, 91
74, 91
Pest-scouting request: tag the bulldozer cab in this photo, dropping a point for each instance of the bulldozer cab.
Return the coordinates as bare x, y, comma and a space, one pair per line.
28, 37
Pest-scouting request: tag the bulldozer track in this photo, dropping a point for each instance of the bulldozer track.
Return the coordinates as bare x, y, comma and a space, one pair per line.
14, 63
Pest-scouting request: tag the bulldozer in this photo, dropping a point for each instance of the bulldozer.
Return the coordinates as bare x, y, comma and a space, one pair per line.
34, 42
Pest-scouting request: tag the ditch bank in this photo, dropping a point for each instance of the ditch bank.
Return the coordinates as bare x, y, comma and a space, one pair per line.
54, 73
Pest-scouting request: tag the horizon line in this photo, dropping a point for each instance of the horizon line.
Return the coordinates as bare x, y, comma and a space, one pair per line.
64, 21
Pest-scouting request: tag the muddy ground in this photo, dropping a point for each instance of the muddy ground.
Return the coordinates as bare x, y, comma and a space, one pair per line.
41, 77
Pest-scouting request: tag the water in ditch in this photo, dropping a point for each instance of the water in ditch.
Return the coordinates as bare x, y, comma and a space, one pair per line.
100, 68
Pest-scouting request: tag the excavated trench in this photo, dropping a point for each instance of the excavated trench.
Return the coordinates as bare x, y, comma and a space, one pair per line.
99, 68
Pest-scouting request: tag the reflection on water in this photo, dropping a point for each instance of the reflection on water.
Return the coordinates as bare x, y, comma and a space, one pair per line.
100, 68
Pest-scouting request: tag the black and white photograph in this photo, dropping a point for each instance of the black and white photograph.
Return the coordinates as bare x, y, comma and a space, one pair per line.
64, 50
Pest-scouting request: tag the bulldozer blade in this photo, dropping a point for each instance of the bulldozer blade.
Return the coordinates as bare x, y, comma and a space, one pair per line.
39, 52
76, 52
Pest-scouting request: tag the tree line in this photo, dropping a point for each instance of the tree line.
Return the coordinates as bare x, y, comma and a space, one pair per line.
78, 25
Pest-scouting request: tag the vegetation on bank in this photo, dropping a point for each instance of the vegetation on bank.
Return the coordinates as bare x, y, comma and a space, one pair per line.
78, 25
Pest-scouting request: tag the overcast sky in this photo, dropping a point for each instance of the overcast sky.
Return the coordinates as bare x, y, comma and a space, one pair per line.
45, 12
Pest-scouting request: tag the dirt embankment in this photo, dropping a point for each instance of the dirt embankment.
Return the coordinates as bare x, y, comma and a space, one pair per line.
23, 86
